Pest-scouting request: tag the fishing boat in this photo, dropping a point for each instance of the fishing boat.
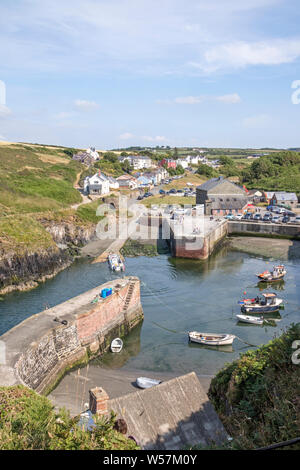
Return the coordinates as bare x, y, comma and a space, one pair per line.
248, 319
211, 339
115, 262
277, 274
116, 345
145, 382
265, 303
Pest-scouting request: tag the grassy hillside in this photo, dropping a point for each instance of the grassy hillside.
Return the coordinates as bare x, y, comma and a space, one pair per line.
257, 396
37, 186
35, 179
28, 422
279, 171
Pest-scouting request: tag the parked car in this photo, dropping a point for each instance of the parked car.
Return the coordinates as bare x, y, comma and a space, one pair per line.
257, 216
172, 191
296, 220
229, 216
267, 217
238, 216
140, 198
247, 216
162, 191
276, 219
285, 219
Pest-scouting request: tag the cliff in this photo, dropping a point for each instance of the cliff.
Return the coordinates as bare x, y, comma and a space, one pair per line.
37, 250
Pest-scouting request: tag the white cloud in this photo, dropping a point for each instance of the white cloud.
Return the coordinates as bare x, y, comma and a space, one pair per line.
157, 138
241, 54
255, 122
227, 99
230, 99
85, 105
126, 136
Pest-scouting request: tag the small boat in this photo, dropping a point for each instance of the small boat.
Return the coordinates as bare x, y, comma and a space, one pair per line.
248, 319
265, 303
116, 345
277, 274
145, 382
115, 262
211, 339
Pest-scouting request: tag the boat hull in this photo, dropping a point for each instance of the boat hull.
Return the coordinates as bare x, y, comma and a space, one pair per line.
216, 340
145, 382
260, 309
251, 320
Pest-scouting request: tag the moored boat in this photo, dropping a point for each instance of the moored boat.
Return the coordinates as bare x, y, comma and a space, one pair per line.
248, 319
277, 274
115, 262
116, 345
266, 303
145, 382
211, 339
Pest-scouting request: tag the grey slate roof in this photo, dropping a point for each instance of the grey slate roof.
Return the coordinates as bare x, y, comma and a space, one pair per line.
228, 202
283, 196
212, 183
170, 416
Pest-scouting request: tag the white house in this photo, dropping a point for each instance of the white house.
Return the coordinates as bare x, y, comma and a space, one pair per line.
96, 184
137, 161
93, 153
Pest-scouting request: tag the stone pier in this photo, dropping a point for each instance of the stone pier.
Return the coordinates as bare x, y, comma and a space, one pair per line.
38, 351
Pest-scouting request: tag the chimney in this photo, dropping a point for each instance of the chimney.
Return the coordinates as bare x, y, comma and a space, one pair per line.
98, 401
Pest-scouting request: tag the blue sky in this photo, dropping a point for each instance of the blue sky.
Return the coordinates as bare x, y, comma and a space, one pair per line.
115, 73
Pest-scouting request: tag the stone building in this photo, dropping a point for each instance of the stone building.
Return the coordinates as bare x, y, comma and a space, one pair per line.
220, 196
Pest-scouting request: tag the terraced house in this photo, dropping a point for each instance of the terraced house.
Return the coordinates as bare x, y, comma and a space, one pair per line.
220, 197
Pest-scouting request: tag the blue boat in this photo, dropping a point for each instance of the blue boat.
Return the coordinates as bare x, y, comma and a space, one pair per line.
266, 303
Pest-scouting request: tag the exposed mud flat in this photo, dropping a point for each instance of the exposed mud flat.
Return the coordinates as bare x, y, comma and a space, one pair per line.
266, 247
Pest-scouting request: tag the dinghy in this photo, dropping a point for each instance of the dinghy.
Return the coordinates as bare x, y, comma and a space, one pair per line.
277, 274
145, 382
115, 262
248, 319
211, 339
116, 345
267, 303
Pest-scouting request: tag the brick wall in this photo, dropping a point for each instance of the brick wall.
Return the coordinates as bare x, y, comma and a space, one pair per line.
89, 333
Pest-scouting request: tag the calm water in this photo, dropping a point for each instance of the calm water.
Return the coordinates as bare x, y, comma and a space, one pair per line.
177, 296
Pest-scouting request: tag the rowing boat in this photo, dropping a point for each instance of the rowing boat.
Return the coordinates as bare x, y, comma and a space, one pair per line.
145, 382
211, 339
248, 319
116, 345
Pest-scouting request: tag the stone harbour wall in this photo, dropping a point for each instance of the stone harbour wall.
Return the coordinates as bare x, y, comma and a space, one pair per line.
39, 351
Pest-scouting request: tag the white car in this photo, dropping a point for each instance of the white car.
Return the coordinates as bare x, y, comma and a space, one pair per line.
276, 219
296, 220
238, 216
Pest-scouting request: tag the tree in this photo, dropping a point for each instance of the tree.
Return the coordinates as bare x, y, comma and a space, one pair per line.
206, 170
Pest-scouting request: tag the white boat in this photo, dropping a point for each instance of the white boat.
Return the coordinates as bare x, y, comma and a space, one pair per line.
277, 274
248, 319
115, 262
116, 345
145, 382
211, 339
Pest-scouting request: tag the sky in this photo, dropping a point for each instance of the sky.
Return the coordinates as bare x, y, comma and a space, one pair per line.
117, 73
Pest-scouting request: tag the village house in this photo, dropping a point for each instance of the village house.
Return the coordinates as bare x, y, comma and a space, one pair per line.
96, 184
168, 163
137, 161
93, 153
127, 182
220, 197
284, 199
84, 158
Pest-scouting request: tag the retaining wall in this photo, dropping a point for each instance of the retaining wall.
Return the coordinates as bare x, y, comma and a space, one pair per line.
39, 350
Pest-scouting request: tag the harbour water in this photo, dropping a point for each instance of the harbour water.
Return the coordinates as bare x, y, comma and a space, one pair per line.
177, 296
